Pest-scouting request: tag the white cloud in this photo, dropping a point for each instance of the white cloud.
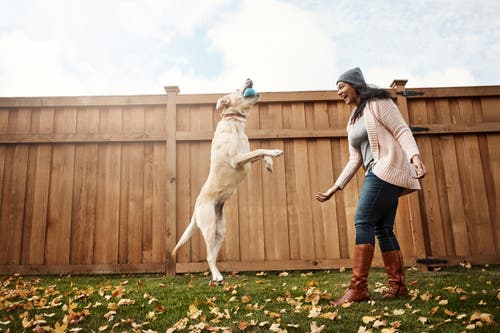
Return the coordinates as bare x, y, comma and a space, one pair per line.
92, 47
278, 45
165, 19
28, 66
446, 77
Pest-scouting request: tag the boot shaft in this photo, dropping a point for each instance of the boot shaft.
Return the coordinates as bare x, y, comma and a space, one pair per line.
363, 255
393, 262
358, 289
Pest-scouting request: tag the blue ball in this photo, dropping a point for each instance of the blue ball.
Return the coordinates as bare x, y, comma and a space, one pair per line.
249, 92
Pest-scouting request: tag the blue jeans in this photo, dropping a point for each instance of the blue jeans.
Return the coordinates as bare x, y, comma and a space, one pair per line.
376, 212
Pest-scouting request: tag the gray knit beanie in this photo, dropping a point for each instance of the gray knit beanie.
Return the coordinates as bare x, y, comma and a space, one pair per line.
353, 76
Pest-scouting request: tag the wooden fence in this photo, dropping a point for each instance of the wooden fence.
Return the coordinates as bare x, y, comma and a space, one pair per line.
108, 184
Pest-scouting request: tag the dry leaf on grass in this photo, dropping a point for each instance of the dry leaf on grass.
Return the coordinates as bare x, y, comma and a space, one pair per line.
315, 329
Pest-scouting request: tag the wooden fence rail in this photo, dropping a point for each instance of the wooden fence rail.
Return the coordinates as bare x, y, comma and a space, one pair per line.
107, 184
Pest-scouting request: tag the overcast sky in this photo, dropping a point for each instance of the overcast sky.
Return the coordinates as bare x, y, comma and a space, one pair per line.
111, 47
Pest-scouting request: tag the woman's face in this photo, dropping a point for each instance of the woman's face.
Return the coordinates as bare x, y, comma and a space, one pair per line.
348, 93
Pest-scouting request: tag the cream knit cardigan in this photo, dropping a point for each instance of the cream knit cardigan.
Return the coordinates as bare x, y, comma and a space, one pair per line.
392, 144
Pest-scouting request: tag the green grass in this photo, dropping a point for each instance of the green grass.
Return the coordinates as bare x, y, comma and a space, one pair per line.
449, 300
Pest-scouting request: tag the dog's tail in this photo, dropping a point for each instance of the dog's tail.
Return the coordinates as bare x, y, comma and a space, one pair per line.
186, 235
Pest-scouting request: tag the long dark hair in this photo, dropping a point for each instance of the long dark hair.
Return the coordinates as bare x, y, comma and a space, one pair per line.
365, 94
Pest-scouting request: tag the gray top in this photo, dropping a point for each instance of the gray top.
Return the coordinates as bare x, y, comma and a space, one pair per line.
358, 138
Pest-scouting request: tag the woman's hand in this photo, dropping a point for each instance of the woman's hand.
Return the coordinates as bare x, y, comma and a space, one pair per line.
419, 166
322, 197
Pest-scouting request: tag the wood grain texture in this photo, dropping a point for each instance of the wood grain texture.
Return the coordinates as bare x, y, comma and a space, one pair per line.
108, 183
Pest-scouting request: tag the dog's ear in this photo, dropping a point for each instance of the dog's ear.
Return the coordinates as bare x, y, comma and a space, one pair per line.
222, 102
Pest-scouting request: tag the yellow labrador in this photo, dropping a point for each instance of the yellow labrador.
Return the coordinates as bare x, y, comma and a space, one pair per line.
229, 164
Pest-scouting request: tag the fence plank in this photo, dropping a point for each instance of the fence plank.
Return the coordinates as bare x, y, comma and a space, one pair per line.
107, 228
277, 243
494, 166
292, 212
60, 193
156, 123
250, 217
84, 193
133, 184
184, 207
479, 227
429, 185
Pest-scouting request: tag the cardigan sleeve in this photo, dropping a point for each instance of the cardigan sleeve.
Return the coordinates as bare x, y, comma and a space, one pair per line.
354, 163
390, 116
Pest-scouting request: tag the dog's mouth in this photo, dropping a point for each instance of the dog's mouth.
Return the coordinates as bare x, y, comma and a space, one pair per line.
248, 91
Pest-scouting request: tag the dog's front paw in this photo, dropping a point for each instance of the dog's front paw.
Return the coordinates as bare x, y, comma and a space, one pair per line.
277, 152
269, 163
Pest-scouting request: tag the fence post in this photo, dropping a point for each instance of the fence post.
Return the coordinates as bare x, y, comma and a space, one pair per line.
399, 85
171, 163
414, 200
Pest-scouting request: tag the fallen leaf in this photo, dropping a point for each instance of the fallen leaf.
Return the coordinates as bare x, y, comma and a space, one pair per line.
449, 312
126, 301
330, 315
368, 319
347, 304
193, 312
388, 330
119, 291
315, 329
246, 299
60, 328
314, 312
398, 312
112, 306
484, 317
275, 327
426, 296
379, 323
242, 325
179, 325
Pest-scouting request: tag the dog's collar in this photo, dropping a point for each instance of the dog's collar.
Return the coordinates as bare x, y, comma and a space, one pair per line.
233, 114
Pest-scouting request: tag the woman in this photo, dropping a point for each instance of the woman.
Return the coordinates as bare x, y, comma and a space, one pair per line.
381, 142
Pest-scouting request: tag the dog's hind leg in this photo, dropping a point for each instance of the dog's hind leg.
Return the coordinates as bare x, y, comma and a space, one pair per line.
220, 229
208, 229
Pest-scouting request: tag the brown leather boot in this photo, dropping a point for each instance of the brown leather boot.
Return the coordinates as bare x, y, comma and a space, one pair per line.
393, 262
358, 290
